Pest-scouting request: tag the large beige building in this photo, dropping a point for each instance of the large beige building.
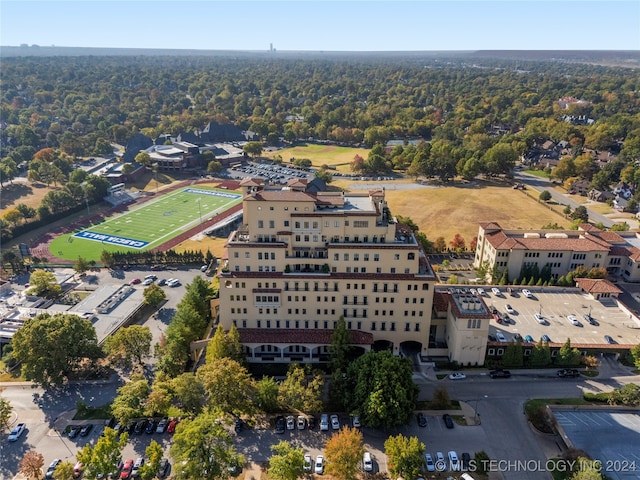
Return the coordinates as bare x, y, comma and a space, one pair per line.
302, 260
560, 251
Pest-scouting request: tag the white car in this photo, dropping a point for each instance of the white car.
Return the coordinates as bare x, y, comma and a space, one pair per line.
573, 320
540, 319
457, 376
307, 463
500, 336
441, 463
302, 422
367, 463
527, 293
496, 291
291, 422
335, 422
17, 432
509, 309
355, 421
428, 460
481, 292
454, 462
319, 467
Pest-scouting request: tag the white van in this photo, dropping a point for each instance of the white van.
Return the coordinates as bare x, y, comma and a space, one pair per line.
367, 463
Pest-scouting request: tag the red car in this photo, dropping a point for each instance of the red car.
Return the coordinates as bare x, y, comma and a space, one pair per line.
172, 426
135, 281
126, 469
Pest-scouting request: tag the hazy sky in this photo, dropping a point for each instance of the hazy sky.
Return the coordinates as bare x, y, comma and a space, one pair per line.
328, 25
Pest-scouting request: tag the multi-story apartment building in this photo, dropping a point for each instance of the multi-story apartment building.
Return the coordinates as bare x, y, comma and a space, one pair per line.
561, 251
302, 260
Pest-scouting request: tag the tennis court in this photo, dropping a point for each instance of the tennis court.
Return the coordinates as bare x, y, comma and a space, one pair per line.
148, 225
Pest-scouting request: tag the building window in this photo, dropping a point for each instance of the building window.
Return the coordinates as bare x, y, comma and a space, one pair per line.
260, 224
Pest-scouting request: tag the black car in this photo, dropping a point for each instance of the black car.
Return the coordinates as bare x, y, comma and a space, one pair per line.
151, 427
86, 429
448, 421
74, 431
280, 425
609, 339
518, 338
311, 422
237, 426
52, 468
131, 427
140, 427
164, 468
590, 319
465, 459
162, 282
111, 422
422, 420
499, 373
568, 372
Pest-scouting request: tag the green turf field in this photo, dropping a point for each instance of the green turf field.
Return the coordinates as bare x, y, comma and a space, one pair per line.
148, 225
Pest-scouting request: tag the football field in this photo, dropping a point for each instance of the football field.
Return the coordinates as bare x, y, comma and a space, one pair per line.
148, 225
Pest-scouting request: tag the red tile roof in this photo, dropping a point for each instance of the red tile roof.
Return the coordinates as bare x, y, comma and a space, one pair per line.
597, 285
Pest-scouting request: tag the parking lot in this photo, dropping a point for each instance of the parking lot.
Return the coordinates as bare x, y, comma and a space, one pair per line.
555, 306
612, 437
270, 172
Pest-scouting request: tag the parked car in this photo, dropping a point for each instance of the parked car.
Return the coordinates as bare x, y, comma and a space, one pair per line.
457, 376
86, 429
17, 432
573, 320
527, 293
481, 292
151, 276
335, 422
140, 427
367, 462
454, 462
500, 336
492, 338
448, 421
545, 338
422, 420
147, 282
510, 309
171, 427
291, 422
609, 339
540, 319
528, 339
517, 337
568, 372
125, 473
324, 422
496, 291
135, 281
308, 463
319, 467
441, 463
280, 424
465, 460
311, 422
429, 463
162, 425
135, 470
237, 425
52, 468
151, 427
589, 319
163, 471
162, 282
499, 373
74, 431
355, 421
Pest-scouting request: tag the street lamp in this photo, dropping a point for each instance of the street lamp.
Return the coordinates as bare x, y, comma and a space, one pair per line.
477, 415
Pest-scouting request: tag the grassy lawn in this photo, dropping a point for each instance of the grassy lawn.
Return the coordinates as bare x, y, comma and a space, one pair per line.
537, 173
148, 225
339, 157
93, 413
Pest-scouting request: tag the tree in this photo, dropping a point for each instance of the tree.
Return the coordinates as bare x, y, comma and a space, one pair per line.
253, 148
540, 355
81, 265
143, 158
628, 395
267, 394
588, 470
287, 463
441, 399
128, 345
153, 454
301, 389
188, 393
53, 347
31, 464
103, 457
545, 196
513, 355
127, 168
440, 245
383, 389
214, 167
580, 213
405, 456
568, 355
154, 295
131, 399
64, 471
44, 284
458, 243
338, 360
635, 355
5, 413
344, 453
228, 386
202, 448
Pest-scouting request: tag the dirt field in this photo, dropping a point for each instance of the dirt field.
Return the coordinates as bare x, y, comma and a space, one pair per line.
339, 157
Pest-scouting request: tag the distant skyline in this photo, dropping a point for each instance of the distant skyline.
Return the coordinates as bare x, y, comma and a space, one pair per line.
324, 25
